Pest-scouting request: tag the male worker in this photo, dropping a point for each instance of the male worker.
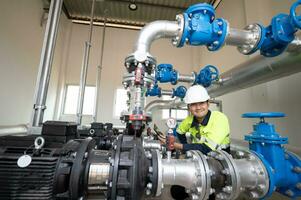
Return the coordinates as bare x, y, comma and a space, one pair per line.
209, 130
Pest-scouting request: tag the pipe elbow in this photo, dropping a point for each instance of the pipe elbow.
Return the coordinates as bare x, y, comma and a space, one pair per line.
151, 32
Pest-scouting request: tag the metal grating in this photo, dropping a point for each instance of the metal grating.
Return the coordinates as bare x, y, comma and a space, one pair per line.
118, 12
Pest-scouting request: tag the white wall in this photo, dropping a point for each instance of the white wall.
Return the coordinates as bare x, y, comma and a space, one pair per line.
21, 38
280, 95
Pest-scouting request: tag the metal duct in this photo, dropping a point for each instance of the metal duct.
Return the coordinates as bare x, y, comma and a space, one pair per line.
257, 70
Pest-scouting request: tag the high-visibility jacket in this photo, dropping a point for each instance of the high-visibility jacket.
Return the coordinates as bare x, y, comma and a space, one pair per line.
213, 130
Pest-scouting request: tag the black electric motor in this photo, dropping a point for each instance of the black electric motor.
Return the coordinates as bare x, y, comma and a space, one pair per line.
65, 167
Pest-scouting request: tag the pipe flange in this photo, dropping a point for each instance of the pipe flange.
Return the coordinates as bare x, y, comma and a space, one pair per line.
257, 170
254, 42
232, 190
131, 62
177, 39
160, 185
203, 186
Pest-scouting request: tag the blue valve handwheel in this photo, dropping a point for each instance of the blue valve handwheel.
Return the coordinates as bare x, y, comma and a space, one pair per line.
295, 19
214, 72
263, 115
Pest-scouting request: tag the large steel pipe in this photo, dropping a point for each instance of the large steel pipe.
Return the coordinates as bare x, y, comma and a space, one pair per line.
255, 71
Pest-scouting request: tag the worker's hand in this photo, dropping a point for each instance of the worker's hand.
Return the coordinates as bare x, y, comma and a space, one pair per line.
170, 142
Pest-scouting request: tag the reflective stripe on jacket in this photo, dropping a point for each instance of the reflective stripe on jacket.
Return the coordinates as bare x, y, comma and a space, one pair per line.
213, 130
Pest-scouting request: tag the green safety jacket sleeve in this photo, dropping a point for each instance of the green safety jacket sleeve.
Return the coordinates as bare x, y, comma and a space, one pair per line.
219, 130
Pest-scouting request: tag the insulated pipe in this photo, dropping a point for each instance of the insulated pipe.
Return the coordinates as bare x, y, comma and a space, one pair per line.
151, 32
84, 70
255, 71
46, 62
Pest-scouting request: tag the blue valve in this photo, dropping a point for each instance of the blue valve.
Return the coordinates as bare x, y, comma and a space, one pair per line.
165, 73
179, 92
295, 19
281, 165
281, 32
207, 75
155, 91
200, 28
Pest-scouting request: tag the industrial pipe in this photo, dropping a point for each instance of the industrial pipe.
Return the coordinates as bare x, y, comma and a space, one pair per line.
257, 70
45, 65
84, 70
99, 69
151, 32
15, 129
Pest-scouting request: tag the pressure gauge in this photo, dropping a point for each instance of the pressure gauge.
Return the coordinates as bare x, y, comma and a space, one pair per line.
171, 123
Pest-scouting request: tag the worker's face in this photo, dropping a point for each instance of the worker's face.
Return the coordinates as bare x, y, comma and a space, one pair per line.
199, 109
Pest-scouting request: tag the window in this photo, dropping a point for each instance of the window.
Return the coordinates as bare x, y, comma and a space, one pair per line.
178, 114
121, 98
70, 106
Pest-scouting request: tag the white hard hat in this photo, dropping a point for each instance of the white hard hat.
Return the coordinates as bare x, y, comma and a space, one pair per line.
196, 93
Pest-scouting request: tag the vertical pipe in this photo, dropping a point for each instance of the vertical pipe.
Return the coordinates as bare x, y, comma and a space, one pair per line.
46, 62
99, 69
84, 70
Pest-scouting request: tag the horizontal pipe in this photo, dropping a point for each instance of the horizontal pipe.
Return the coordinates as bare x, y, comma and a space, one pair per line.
186, 78
237, 37
167, 92
257, 70
163, 104
14, 129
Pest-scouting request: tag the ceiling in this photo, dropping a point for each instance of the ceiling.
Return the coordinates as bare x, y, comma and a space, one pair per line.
117, 11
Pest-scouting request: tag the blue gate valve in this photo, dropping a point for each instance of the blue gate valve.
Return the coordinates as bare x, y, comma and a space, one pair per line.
200, 28
281, 32
283, 167
165, 73
207, 75
179, 92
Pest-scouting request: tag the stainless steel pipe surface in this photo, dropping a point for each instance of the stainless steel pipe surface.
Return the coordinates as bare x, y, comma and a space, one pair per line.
151, 32
237, 37
45, 65
255, 71
187, 78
